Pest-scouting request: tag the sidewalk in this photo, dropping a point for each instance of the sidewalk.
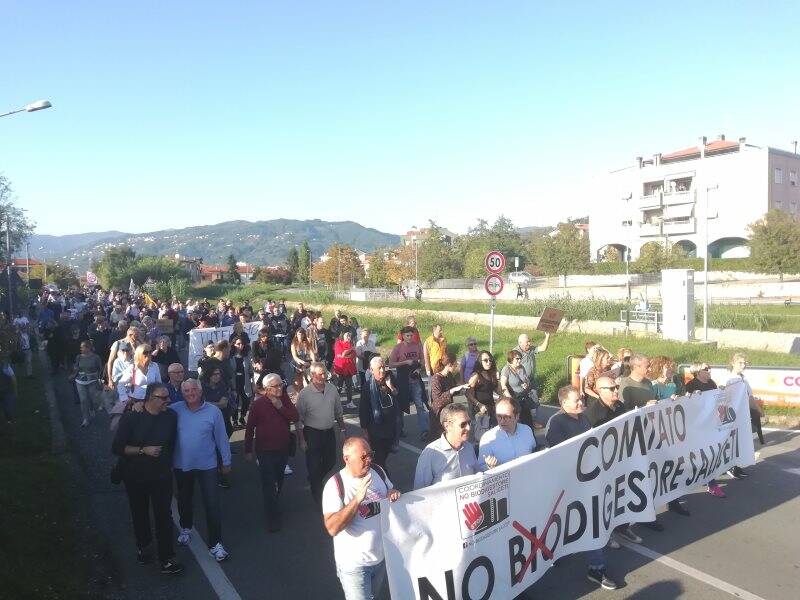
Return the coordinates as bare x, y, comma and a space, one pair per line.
89, 454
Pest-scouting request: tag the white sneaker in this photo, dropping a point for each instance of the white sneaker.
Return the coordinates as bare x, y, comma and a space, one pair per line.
218, 552
287, 470
184, 537
85, 423
612, 543
350, 405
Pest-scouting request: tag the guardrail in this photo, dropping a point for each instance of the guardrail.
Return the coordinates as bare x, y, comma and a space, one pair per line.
646, 317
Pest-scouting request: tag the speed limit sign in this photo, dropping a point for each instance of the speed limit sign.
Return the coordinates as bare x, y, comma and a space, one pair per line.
495, 262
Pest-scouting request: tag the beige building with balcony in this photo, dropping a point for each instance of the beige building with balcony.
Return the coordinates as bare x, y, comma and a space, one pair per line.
667, 198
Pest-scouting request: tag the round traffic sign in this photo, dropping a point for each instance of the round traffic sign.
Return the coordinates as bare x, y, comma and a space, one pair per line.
495, 262
493, 284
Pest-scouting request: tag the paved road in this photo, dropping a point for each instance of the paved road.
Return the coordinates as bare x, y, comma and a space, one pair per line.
747, 542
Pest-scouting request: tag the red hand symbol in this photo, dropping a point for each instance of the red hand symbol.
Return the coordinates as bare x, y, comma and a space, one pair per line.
474, 515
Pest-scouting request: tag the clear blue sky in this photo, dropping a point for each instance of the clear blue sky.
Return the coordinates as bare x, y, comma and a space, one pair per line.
169, 114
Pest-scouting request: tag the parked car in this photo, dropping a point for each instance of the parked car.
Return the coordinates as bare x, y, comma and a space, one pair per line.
520, 278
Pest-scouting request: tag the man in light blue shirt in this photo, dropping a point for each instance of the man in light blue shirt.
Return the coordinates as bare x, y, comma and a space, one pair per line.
201, 437
450, 456
510, 439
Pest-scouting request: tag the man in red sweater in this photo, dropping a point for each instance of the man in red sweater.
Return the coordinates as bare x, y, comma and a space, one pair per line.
268, 420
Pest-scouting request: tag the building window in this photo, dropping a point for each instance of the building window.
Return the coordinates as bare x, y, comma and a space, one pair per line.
793, 177
778, 175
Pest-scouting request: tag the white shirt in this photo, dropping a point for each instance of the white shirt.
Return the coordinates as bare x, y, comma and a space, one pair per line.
360, 543
586, 365
504, 447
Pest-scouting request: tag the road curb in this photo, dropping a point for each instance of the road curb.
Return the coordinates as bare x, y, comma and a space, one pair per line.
59, 438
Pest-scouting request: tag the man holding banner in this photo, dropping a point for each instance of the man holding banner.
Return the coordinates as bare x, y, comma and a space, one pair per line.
570, 422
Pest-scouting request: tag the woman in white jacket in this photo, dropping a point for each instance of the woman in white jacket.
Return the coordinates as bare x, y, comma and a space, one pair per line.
142, 372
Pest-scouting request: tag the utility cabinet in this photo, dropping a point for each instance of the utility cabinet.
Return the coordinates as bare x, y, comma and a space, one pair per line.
677, 298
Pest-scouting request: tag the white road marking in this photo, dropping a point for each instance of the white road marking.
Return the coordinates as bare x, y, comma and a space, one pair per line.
690, 571
779, 429
211, 569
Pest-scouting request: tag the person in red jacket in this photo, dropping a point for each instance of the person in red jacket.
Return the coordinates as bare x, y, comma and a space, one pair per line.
268, 422
344, 365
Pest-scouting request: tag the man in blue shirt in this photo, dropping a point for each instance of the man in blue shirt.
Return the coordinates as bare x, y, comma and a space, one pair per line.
201, 437
508, 440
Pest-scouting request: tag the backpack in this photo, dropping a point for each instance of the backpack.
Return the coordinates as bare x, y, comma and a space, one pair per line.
337, 477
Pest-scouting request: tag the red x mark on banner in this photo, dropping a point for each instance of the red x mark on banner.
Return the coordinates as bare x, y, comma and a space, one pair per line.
539, 543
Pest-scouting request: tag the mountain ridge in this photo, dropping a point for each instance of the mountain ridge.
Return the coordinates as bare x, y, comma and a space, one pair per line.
253, 242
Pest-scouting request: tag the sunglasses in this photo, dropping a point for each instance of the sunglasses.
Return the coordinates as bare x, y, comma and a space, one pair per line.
613, 388
462, 425
160, 396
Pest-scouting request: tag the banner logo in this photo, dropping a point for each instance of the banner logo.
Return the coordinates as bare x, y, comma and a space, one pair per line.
483, 504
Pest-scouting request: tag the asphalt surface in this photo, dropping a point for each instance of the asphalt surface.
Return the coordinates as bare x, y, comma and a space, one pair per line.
747, 540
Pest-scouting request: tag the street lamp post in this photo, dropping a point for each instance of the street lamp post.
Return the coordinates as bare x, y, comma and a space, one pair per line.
416, 262
705, 267
8, 269
32, 107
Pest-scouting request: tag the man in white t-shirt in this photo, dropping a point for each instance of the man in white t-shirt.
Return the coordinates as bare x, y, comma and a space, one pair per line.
351, 506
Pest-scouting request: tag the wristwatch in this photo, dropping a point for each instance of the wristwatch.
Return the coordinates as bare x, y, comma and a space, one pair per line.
141, 450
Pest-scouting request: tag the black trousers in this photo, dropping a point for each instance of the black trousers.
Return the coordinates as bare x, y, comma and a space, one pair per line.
158, 494
382, 447
320, 458
271, 465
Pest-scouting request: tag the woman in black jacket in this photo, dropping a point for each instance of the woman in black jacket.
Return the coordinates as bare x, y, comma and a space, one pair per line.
145, 442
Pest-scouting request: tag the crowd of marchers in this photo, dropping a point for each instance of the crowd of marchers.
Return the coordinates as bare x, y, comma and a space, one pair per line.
290, 388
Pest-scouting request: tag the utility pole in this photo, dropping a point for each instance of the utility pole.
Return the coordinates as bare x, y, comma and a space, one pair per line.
705, 268
8, 269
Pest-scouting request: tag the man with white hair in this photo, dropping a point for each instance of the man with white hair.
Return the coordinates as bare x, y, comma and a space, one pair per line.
378, 410
268, 425
201, 434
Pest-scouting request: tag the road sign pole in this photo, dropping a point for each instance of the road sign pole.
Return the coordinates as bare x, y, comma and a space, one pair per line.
492, 304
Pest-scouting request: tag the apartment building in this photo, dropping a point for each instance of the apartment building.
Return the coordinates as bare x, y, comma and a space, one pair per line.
671, 198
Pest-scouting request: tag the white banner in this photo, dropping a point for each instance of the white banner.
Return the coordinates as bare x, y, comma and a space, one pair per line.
494, 534
199, 338
772, 385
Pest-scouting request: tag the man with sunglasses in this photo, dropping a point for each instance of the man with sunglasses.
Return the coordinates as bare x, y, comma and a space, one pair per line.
450, 456
598, 412
351, 506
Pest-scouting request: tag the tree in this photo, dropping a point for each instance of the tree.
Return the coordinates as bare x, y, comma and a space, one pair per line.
564, 252
436, 257
775, 243
400, 265
232, 273
257, 273
62, 275
114, 269
304, 262
342, 267
480, 239
378, 274
19, 227
655, 256
293, 262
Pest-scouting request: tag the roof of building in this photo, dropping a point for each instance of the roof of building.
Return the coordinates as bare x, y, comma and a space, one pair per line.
243, 269
21, 262
717, 146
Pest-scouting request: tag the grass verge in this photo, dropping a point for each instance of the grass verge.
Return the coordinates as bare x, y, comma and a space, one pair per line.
746, 317
45, 555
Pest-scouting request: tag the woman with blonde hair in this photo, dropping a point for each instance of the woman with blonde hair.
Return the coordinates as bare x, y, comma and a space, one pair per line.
602, 363
143, 371
737, 365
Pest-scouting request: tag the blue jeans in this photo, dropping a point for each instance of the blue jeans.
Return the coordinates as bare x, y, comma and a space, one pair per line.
596, 558
418, 398
362, 583
208, 481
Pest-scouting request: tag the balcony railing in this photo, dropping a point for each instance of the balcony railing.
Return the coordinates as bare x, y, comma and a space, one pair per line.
649, 229
678, 197
683, 226
651, 201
